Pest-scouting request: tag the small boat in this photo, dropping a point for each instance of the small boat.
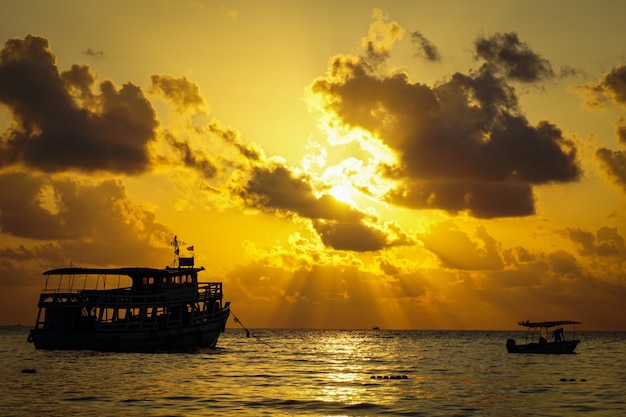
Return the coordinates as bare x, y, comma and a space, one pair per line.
130, 309
556, 343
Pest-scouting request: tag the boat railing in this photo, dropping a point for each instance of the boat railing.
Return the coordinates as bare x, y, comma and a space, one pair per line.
126, 296
125, 309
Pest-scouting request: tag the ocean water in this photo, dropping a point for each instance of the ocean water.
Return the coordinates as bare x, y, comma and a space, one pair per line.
320, 372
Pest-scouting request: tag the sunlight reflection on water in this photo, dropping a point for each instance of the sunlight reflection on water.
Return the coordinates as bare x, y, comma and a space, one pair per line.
319, 373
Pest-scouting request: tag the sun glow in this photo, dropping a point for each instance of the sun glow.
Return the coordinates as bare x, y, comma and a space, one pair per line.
341, 193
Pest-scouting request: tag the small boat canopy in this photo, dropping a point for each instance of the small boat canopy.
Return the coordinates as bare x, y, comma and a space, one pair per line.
547, 324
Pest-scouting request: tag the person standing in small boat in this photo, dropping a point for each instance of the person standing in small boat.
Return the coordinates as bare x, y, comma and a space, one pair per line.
558, 334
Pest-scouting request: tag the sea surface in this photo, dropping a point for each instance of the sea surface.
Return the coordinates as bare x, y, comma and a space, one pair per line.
320, 372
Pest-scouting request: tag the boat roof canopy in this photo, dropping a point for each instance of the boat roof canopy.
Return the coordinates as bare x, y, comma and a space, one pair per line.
547, 323
137, 272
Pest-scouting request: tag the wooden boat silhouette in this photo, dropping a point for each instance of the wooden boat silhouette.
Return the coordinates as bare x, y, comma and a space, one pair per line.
130, 309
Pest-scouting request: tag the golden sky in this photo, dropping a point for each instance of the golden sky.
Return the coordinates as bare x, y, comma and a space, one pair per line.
408, 165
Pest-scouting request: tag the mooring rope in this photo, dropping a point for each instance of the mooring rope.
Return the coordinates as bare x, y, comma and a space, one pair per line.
248, 334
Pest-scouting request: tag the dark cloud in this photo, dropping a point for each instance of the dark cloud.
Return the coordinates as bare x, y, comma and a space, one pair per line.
350, 236
277, 188
192, 158
60, 124
426, 48
479, 199
507, 55
463, 144
620, 130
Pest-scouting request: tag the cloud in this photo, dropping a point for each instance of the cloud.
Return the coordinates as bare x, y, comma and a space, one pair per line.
507, 55
476, 274
276, 189
60, 124
620, 130
360, 236
350, 236
251, 152
93, 52
611, 89
94, 223
426, 48
457, 250
463, 144
37, 207
22, 213
480, 199
382, 35
614, 164
606, 242
192, 158
182, 93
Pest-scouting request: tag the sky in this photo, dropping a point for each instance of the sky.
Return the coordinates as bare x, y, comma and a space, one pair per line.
336, 164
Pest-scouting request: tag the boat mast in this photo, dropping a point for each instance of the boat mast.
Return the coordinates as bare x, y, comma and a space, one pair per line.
178, 261
176, 244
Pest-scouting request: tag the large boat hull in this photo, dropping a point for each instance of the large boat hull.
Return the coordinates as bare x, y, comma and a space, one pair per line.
204, 335
563, 347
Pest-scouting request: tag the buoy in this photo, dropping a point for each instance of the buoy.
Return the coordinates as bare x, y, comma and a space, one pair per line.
28, 371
